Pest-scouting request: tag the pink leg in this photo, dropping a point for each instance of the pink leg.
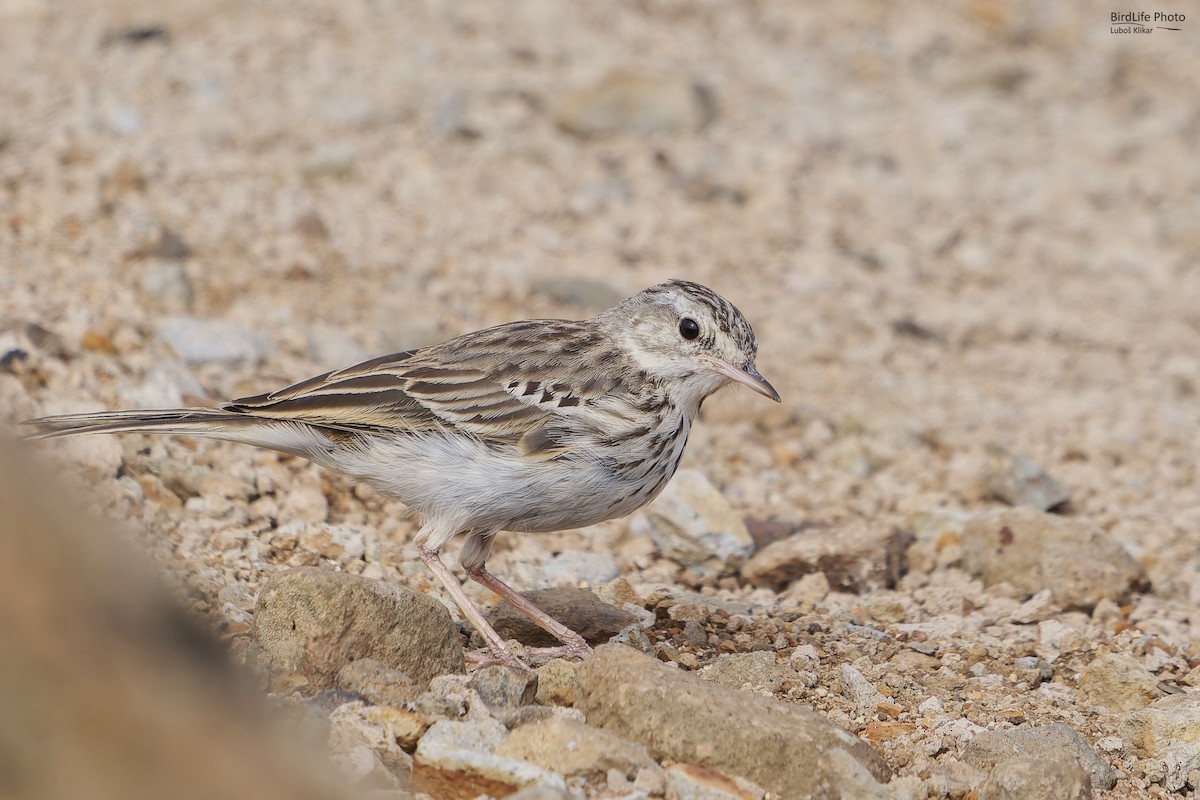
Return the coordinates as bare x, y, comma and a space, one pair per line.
469, 610
574, 644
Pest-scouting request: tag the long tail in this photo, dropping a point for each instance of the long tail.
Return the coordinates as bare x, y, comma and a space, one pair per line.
284, 435
194, 421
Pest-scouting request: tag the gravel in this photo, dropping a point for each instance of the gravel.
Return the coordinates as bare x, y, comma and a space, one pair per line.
964, 240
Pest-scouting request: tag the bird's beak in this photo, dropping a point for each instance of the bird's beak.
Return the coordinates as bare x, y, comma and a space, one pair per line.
747, 375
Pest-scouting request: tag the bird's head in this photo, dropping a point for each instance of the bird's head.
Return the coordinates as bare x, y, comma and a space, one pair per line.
687, 334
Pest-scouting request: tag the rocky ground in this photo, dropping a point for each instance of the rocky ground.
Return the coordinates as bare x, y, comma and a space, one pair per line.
966, 235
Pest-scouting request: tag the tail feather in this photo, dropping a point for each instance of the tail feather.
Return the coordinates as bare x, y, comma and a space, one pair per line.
193, 421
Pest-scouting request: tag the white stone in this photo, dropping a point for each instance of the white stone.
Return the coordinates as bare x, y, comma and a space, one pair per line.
691, 522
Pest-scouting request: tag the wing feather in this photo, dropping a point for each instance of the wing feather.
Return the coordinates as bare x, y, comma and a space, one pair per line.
513, 385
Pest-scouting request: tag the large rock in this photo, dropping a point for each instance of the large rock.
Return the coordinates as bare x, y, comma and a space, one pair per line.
578, 609
854, 557
1045, 744
785, 749
1119, 682
1032, 550
113, 690
313, 622
1167, 731
692, 523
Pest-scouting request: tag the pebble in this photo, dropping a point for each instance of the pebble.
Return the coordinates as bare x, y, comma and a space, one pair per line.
1046, 744
503, 686
590, 296
1038, 608
573, 567
542, 791
1024, 778
569, 747
205, 341
1032, 550
683, 717
366, 750
808, 589
858, 690
694, 782
377, 682
557, 683
1119, 682
167, 283
759, 670
341, 544
458, 760
403, 726
330, 160
636, 102
1055, 638
332, 349
693, 524
853, 557
954, 779
1019, 481
304, 502
313, 623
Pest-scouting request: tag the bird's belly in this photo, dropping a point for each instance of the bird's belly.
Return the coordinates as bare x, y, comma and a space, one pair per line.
470, 485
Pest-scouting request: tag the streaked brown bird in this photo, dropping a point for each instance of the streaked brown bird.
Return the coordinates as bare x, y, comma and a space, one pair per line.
533, 426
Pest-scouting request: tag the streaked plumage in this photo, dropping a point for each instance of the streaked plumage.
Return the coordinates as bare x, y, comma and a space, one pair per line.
540, 425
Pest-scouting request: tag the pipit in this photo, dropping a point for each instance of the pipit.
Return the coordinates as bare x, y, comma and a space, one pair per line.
533, 426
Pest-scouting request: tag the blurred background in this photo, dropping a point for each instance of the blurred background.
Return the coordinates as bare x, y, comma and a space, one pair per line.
972, 221
955, 226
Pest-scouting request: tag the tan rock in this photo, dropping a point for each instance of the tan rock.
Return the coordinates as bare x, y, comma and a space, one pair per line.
636, 102
314, 622
1173, 720
1033, 779
558, 683
854, 557
685, 718
1033, 551
1019, 481
457, 761
694, 782
1056, 743
377, 682
569, 747
693, 524
1119, 682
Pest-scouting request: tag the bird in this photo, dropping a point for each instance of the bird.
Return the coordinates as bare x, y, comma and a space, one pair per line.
529, 427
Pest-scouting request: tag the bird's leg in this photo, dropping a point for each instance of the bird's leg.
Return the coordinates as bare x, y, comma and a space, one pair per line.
468, 608
574, 644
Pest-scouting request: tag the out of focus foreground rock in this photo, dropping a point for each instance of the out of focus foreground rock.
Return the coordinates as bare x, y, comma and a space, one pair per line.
108, 689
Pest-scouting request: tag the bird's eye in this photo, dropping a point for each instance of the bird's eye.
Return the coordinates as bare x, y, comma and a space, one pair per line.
688, 328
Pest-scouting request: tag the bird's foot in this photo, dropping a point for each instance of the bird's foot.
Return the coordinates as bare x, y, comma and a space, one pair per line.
511, 653
516, 654
579, 650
